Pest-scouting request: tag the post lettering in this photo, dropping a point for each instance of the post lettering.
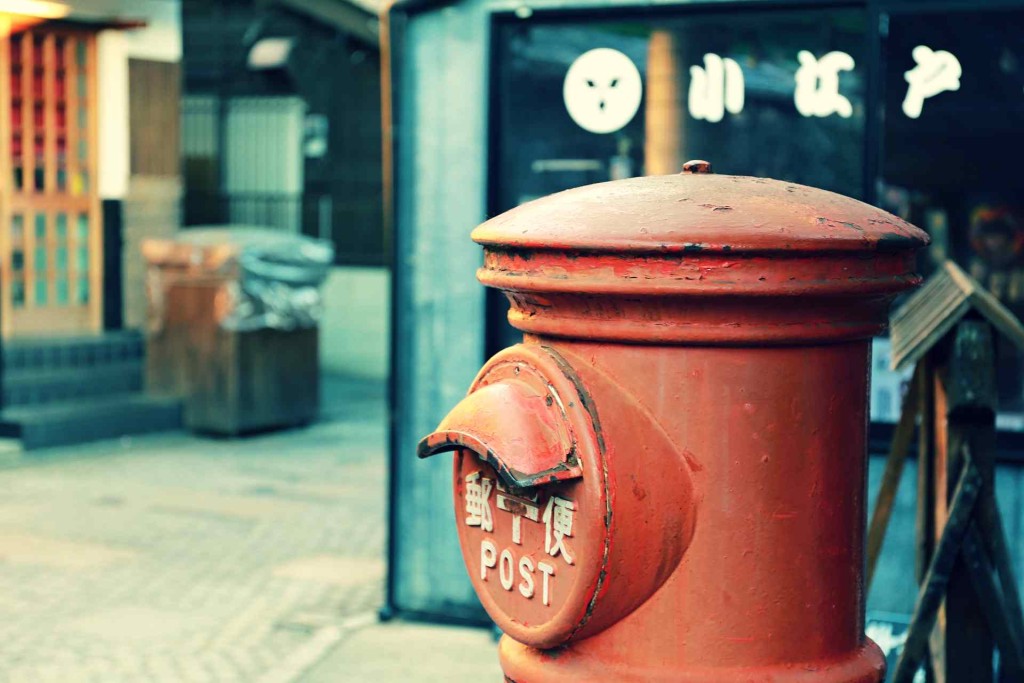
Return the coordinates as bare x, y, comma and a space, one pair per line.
526, 571
488, 557
505, 570
548, 571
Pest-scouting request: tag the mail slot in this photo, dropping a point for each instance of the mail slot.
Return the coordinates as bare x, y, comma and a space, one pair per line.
665, 480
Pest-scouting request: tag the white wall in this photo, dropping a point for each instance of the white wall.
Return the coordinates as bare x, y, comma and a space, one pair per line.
112, 111
159, 40
355, 331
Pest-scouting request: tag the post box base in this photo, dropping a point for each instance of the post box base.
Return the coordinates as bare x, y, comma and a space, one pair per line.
523, 664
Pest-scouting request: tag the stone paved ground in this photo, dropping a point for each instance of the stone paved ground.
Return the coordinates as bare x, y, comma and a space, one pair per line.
402, 652
176, 558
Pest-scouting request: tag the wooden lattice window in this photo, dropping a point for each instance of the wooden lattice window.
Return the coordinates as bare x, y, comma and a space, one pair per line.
50, 222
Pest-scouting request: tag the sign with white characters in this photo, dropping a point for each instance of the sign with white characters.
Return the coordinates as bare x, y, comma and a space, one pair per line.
937, 71
524, 568
817, 84
558, 525
715, 89
602, 90
519, 507
478, 507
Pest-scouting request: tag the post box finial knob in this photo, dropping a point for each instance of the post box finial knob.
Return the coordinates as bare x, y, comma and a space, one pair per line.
697, 166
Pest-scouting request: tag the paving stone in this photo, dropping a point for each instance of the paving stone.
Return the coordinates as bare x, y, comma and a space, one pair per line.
333, 569
39, 550
399, 651
182, 559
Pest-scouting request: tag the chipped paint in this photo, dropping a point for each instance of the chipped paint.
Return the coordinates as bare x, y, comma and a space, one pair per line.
706, 318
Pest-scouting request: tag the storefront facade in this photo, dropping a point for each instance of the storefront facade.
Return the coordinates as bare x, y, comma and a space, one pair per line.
914, 107
89, 167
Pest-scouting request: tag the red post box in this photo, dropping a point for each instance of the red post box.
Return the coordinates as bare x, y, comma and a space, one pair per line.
665, 480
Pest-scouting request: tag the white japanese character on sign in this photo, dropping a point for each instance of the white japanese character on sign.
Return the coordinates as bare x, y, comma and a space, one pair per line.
936, 71
557, 526
478, 508
715, 89
817, 84
520, 507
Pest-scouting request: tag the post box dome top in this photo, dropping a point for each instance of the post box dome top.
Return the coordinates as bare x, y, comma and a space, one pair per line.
696, 211
699, 258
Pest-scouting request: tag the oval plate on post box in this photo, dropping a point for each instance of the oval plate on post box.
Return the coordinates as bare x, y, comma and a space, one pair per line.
531, 494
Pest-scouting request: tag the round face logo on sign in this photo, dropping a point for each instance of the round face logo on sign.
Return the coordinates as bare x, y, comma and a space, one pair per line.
602, 90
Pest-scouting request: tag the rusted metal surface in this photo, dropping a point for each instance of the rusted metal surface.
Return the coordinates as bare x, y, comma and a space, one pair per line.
517, 423
697, 166
708, 339
677, 213
694, 257
566, 585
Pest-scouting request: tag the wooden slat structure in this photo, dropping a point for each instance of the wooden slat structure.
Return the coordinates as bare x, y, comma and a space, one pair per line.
50, 220
968, 604
934, 309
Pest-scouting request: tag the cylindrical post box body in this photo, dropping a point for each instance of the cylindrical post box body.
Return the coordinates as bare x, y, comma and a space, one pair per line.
772, 578
665, 481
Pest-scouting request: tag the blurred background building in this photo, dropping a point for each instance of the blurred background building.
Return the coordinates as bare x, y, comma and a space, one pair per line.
281, 128
124, 122
281, 119
131, 120
91, 166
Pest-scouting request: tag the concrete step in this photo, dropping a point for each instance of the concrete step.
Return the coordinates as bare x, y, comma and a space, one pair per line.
55, 353
71, 422
33, 386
